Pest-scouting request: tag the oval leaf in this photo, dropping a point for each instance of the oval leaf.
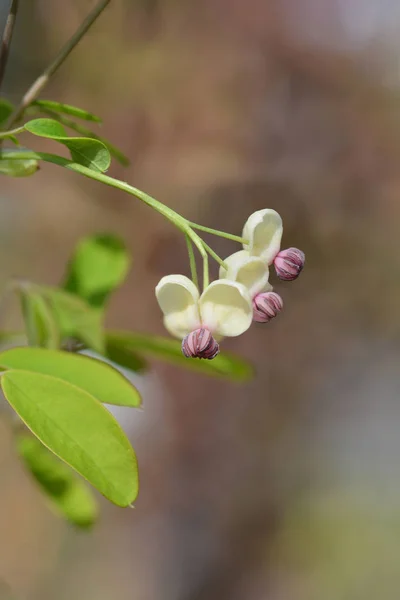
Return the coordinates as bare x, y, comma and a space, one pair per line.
98, 266
113, 150
18, 168
118, 353
66, 109
39, 321
94, 376
224, 365
88, 152
78, 429
74, 317
68, 495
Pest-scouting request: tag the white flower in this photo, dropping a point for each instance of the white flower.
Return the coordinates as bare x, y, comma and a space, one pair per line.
224, 308
253, 273
250, 271
263, 232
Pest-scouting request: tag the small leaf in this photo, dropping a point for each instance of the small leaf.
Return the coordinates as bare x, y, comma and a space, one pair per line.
94, 376
78, 429
114, 151
118, 353
66, 109
48, 128
99, 265
18, 168
74, 317
65, 491
13, 139
39, 321
224, 365
90, 153
6, 109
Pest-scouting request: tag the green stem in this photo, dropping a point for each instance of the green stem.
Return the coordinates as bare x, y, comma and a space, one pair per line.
167, 212
7, 36
38, 85
228, 236
199, 243
192, 261
215, 256
180, 222
5, 134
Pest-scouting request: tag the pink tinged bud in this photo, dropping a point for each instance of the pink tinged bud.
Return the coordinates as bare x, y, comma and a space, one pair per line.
266, 306
289, 264
200, 344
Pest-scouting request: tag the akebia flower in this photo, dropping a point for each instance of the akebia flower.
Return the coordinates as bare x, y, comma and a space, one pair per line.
289, 264
263, 234
224, 309
200, 344
242, 294
253, 273
266, 306
250, 271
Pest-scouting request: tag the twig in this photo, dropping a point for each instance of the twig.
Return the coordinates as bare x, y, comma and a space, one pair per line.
7, 35
43, 79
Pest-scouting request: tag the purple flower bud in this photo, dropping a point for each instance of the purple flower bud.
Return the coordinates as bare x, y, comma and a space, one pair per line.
266, 306
200, 344
289, 263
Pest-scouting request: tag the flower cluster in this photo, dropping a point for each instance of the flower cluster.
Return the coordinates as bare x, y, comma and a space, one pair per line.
227, 307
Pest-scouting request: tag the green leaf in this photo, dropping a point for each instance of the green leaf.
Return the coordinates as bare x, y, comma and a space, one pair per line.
68, 495
6, 108
90, 153
40, 324
18, 168
117, 352
78, 429
114, 151
224, 365
99, 264
66, 109
13, 139
94, 376
74, 317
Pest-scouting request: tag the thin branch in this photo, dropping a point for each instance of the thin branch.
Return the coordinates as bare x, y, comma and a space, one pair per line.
228, 236
192, 261
7, 36
215, 256
38, 85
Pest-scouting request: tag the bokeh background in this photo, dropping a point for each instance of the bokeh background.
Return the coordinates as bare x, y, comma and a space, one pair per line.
288, 487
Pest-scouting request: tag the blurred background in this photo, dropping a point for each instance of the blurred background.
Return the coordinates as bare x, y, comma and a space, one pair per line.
286, 488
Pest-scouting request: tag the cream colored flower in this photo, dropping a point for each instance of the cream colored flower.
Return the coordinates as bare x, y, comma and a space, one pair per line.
224, 308
263, 232
250, 271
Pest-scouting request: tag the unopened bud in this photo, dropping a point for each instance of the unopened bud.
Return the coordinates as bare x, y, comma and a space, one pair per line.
289, 263
266, 306
200, 344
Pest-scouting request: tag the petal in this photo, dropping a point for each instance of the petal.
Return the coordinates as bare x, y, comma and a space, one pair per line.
178, 297
226, 308
263, 230
251, 271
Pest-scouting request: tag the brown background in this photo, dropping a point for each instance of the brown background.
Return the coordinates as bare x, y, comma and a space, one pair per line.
286, 488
